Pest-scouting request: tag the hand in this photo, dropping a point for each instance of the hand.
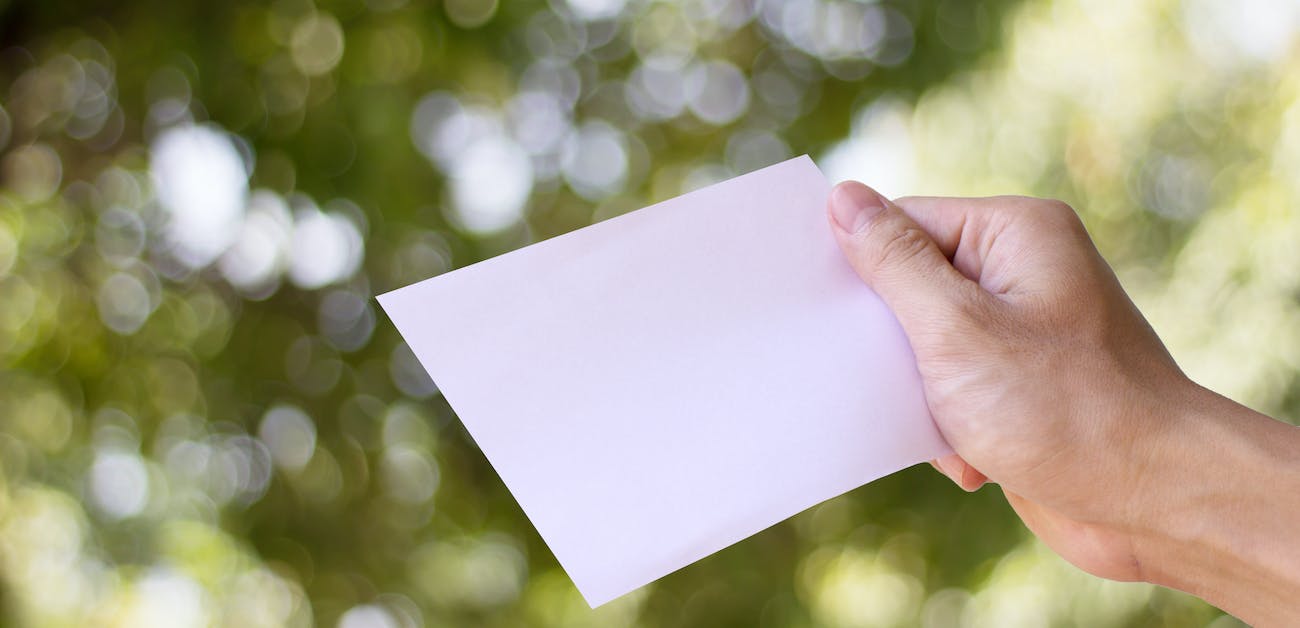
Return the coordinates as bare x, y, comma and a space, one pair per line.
1038, 369
1044, 377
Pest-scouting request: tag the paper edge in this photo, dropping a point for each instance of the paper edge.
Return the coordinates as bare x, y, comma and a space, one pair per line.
387, 299
636, 214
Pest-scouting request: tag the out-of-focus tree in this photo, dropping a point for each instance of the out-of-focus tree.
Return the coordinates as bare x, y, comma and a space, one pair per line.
205, 420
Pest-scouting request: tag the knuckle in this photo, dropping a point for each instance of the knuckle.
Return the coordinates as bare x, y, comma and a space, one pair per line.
900, 244
1045, 216
1057, 207
1062, 216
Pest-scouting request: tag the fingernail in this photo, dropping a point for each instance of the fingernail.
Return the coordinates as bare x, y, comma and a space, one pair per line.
853, 205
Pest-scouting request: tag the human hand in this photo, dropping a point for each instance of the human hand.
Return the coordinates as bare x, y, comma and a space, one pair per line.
1038, 369
1044, 377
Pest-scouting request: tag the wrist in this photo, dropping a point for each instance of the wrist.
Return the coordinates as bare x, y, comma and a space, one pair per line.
1211, 522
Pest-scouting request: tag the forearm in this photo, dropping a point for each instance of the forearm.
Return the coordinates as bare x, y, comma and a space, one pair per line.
1225, 524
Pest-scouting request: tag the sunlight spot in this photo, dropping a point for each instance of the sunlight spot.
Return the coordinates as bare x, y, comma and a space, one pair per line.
290, 436
717, 92
317, 44
254, 262
166, 598
879, 151
202, 181
490, 184
124, 303
325, 248
595, 161
368, 616
119, 484
596, 9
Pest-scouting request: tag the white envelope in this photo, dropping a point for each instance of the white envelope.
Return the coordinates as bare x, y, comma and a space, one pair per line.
660, 385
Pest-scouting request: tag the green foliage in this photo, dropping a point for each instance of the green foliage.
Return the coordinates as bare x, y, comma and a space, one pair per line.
205, 419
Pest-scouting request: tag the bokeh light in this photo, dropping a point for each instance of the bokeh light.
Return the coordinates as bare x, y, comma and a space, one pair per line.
202, 182
205, 419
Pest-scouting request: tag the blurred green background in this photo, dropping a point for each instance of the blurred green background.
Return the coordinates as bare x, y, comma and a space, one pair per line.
204, 419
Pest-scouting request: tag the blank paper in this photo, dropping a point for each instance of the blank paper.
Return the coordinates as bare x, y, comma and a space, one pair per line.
660, 385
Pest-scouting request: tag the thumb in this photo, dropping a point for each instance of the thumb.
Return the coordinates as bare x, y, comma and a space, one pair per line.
893, 254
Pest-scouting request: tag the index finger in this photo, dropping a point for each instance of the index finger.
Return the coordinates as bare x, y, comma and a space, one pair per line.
963, 228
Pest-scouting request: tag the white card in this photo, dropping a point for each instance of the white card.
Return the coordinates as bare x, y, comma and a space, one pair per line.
660, 385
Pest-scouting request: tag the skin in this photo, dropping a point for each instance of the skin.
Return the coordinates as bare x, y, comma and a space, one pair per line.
1045, 379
